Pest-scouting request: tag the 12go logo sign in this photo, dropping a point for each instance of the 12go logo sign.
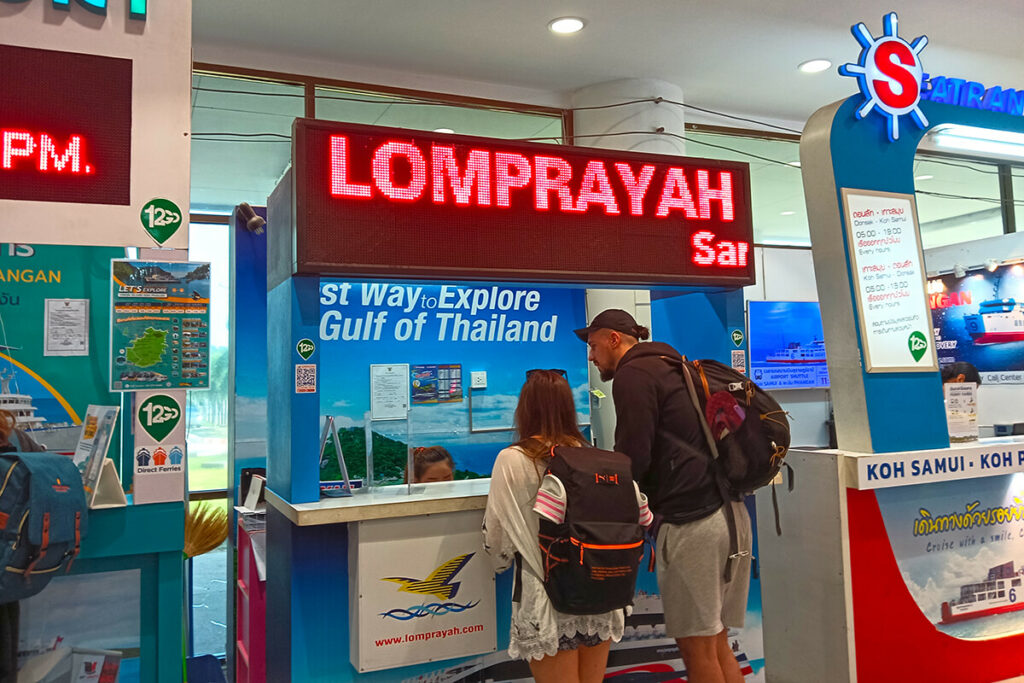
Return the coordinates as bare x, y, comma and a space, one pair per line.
889, 73
159, 414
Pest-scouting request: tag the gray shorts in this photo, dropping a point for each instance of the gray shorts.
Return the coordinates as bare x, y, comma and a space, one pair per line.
691, 557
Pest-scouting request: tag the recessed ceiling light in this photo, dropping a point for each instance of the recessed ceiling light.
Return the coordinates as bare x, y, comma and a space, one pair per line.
443, 130
923, 177
813, 66
565, 25
795, 164
787, 213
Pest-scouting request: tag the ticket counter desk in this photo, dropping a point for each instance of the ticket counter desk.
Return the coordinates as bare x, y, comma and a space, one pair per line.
382, 585
897, 567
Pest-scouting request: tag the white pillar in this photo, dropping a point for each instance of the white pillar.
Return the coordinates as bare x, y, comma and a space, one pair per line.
595, 128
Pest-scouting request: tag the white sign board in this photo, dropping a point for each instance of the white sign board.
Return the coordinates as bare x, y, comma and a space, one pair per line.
159, 449
96, 121
991, 458
389, 391
425, 590
889, 281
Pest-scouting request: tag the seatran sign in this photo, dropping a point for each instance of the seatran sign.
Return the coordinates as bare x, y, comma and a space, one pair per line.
136, 8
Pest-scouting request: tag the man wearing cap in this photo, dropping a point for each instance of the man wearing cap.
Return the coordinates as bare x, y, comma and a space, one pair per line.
658, 428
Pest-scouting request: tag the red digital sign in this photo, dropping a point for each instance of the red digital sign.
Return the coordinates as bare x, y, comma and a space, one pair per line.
387, 202
65, 126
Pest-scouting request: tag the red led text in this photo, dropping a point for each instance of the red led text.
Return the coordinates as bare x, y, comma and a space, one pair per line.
405, 172
709, 251
21, 149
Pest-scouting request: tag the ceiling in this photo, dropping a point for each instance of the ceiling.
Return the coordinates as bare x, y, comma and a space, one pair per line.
738, 56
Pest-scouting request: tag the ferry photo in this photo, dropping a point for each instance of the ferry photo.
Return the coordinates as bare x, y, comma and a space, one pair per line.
1000, 592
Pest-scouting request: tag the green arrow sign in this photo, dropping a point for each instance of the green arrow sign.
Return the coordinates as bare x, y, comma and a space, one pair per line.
918, 344
161, 218
159, 415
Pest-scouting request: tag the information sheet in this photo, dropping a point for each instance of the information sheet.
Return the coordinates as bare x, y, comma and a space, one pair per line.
159, 325
389, 391
887, 265
66, 325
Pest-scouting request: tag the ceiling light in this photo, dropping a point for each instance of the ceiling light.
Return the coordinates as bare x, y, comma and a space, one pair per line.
959, 270
814, 66
991, 265
566, 25
443, 130
787, 213
979, 140
923, 177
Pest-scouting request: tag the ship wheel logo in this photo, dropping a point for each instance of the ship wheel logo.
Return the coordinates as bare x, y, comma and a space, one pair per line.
889, 73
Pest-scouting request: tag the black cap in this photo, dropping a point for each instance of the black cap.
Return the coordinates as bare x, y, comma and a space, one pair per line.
611, 319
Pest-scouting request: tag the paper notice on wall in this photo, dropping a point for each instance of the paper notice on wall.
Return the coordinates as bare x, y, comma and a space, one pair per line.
887, 264
961, 410
66, 324
389, 391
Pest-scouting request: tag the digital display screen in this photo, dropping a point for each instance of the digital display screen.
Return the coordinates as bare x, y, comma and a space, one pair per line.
385, 202
787, 345
65, 126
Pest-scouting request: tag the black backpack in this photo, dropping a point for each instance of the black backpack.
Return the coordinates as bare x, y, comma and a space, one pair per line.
591, 559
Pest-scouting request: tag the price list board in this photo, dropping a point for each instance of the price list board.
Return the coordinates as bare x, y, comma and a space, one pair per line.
888, 273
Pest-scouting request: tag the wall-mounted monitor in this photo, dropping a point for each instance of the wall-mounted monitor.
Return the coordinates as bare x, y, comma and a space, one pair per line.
787, 345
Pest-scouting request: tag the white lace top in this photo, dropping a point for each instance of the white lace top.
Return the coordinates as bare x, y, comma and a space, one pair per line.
511, 526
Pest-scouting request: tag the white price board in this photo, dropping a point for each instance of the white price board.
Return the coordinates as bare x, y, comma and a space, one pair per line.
889, 281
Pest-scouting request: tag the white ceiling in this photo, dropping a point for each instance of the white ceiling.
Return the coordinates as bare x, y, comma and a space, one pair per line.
738, 56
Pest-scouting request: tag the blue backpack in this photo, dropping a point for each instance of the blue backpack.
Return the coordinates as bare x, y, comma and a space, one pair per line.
43, 519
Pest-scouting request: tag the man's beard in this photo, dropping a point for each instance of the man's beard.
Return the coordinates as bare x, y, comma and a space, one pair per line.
607, 375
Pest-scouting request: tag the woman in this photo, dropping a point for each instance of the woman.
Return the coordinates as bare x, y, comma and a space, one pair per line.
432, 463
14, 439
560, 648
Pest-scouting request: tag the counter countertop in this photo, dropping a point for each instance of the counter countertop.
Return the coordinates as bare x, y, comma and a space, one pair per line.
386, 502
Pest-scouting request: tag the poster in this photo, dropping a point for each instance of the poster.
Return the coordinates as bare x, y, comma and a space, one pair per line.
436, 384
960, 548
787, 345
159, 452
50, 392
961, 410
888, 273
160, 325
979, 319
66, 330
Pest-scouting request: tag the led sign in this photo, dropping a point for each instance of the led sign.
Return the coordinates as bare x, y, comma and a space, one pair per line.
378, 201
65, 126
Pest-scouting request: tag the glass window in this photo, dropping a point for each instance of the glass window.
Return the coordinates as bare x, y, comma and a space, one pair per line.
776, 186
403, 112
1018, 195
241, 139
957, 200
207, 418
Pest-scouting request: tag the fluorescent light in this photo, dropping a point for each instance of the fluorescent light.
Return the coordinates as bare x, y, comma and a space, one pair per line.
787, 213
795, 164
566, 25
813, 66
979, 140
923, 177
443, 130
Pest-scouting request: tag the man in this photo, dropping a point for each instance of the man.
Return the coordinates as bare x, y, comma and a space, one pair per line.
659, 429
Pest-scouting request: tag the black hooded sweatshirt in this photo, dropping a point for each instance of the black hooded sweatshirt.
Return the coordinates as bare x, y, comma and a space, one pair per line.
658, 428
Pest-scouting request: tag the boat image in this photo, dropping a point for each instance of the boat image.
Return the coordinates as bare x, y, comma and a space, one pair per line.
998, 321
1000, 592
19, 405
795, 352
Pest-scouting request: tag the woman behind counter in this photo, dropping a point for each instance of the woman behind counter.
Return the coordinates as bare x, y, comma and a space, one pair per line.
560, 648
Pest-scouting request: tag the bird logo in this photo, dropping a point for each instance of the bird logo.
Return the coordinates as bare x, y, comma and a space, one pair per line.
439, 583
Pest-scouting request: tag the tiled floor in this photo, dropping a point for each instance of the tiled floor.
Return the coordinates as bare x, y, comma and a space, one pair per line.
209, 602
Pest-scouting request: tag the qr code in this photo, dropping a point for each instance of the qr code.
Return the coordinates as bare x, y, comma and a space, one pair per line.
305, 379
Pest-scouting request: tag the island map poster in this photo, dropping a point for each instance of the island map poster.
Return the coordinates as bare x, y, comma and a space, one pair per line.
159, 325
